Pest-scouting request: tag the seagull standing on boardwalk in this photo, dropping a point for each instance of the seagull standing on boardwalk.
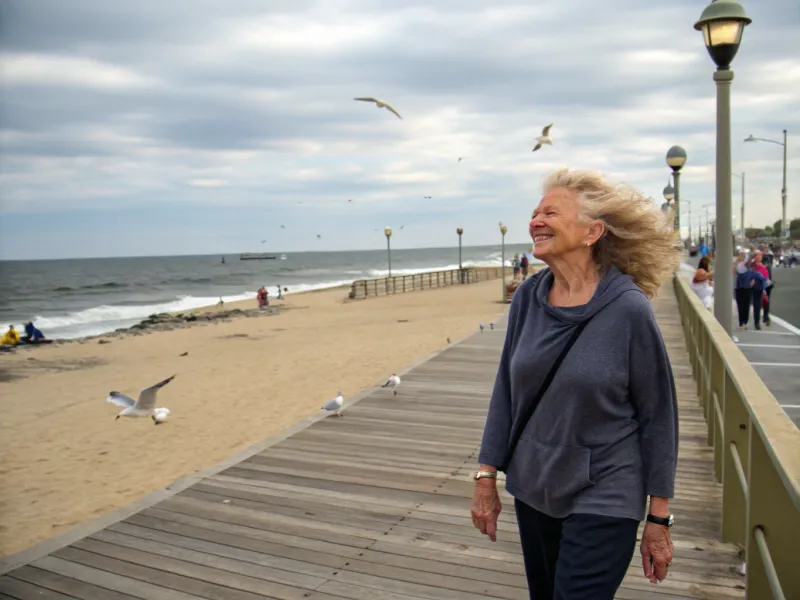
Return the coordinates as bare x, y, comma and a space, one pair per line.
335, 404
544, 138
144, 405
394, 382
380, 104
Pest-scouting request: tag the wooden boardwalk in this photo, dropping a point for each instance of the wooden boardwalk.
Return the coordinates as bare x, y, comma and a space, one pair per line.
372, 506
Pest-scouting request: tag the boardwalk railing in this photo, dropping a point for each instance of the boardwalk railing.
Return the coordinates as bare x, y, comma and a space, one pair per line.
365, 288
756, 453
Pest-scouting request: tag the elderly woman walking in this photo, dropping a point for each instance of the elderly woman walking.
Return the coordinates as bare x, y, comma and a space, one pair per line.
583, 417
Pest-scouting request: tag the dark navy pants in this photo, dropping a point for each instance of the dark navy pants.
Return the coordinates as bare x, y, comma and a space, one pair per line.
579, 557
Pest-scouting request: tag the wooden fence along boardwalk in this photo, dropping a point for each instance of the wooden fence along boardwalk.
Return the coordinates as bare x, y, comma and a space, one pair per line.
372, 506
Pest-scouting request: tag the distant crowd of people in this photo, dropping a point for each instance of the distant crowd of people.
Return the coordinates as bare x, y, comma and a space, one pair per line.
753, 282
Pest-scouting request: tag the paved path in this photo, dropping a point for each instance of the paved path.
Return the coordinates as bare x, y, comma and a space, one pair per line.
372, 506
774, 351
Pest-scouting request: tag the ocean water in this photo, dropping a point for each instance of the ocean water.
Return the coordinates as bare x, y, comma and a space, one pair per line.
81, 297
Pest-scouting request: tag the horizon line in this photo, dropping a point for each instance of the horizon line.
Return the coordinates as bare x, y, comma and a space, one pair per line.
277, 253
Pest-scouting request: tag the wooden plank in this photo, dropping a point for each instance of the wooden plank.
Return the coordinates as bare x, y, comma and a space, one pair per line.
68, 586
19, 589
112, 579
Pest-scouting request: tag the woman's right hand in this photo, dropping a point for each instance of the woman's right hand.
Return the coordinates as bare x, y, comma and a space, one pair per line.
486, 507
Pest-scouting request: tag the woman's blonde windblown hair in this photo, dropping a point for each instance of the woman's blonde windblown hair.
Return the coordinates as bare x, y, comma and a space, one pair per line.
638, 238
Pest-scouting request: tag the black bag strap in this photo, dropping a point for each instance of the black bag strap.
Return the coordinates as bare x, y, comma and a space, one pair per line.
523, 422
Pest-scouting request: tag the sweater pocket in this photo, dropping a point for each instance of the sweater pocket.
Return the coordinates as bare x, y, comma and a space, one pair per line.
550, 477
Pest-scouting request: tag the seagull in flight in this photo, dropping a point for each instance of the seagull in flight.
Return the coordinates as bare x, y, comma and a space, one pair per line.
394, 382
544, 138
380, 104
319, 237
427, 197
334, 404
144, 405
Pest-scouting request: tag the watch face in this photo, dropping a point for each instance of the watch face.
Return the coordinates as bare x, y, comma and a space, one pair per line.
671, 520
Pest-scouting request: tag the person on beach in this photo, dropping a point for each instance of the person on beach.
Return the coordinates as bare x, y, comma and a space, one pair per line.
262, 295
10, 337
515, 266
523, 266
585, 437
701, 282
33, 335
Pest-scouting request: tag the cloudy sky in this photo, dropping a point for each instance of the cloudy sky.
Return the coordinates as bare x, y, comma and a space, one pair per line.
202, 126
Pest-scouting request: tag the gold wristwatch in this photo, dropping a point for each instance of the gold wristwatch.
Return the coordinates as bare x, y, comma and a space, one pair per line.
481, 474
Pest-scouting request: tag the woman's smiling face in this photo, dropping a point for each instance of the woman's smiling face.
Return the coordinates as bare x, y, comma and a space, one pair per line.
555, 226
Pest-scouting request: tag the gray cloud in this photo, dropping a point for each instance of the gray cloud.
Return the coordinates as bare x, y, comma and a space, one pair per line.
113, 103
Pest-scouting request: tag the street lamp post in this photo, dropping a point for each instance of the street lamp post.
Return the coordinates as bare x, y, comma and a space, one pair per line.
460, 231
784, 191
669, 195
676, 158
722, 23
741, 215
388, 232
503, 230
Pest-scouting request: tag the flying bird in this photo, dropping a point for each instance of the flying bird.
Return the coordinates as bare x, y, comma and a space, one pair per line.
283, 226
427, 197
394, 382
544, 138
144, 405
460, 158
319, 237
334, 404
380, 104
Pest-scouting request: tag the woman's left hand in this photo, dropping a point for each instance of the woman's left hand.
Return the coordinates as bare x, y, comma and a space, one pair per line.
656, 552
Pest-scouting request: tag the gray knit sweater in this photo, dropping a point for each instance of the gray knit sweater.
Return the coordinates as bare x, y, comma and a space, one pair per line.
605, 435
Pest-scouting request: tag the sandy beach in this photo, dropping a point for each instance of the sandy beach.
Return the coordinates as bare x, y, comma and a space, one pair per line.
65, 460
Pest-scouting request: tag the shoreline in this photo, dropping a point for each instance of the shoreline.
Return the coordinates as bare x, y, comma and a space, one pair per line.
235, 309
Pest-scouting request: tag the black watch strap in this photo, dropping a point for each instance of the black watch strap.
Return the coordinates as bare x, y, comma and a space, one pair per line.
665, 521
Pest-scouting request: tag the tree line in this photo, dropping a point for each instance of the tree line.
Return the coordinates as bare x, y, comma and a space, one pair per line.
774, 230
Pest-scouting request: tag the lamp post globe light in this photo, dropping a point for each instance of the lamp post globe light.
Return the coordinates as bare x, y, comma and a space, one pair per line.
503, 230
388, 232
676, 158
722, 23
784, 191
669, 194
